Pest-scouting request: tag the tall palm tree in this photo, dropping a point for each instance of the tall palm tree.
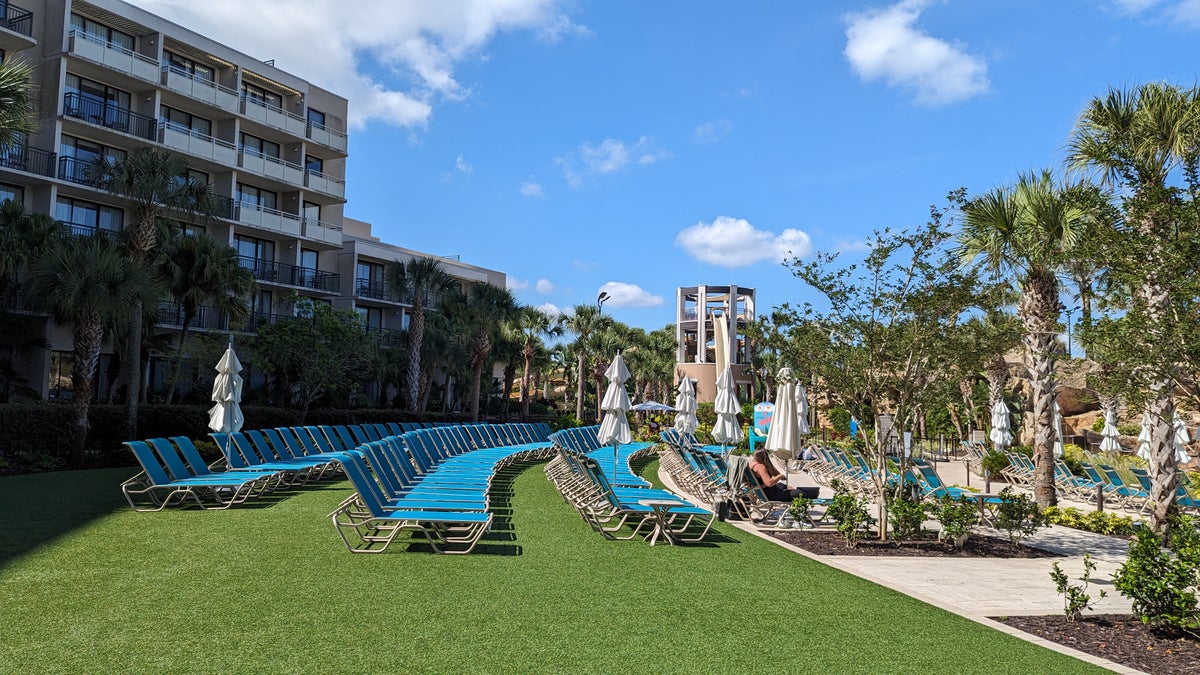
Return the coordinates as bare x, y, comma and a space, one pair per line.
156, 184
420, 281
1028, 229
16, 102
583, 321
534, 324
88, 284
479, 312
203, 271
1134, 139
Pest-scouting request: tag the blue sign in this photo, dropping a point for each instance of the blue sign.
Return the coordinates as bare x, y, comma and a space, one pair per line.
763, 414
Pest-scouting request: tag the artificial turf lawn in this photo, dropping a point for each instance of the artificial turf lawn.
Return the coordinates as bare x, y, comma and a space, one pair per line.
88, 585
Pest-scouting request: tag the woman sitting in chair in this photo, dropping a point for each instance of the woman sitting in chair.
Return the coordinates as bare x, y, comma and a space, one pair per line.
773, 482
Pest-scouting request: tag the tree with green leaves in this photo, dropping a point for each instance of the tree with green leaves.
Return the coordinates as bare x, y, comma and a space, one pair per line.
884, 333
157, 185
203, 272
421, 282
17, 115
534, 325
1029, 229
583, 321
88, 285
1136, 140
478, 313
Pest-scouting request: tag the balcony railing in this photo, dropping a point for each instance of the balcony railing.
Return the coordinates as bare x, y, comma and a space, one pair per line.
30, 160
320, 182
207, 318
17, 19
112, 55
322, 134
375, 290
199, 88
81, 230
76, 170
261, 111
108, 114
270, 165
293, 275
180, 137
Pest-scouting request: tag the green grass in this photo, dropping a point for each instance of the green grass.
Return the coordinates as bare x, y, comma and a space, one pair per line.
88, 585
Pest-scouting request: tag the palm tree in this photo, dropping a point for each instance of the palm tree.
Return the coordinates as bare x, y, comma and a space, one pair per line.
1027, 229
534, 324
203, 271
88, 284
16, 102
583, 321
420, 281
1134, 139
479, 313
157, 185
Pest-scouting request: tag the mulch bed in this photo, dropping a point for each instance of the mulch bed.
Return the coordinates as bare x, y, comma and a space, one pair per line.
826, 542
1117, 637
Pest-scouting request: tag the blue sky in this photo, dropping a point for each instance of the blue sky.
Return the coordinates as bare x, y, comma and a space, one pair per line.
635, 147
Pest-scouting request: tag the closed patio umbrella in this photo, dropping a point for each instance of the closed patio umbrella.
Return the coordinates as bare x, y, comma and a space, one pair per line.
685, 404
1058, 432
614, 428
1001, 434
727, 431
1181, 438
226, 415
1110, 432
784, 438
1143, 438
802, 410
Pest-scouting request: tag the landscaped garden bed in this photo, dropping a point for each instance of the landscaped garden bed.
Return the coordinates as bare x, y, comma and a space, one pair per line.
828, 542
1121, 638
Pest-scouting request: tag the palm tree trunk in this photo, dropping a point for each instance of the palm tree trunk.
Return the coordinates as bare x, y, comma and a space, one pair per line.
476, 378
89, 336
1038, 309
416, 335
579, 389
1162, 466
183, 336
525, 376
133, 369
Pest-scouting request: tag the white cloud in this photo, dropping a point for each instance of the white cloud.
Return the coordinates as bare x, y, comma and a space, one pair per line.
852, 246
531, 188
393, 60
609, 157
462, 166
734, 242
884, 44
711, 132
621, 294
585, 265
550, 309
1134, 6
1175, 13
544, 286
515, 284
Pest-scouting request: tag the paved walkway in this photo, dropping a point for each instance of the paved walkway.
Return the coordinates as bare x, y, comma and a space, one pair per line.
978, 588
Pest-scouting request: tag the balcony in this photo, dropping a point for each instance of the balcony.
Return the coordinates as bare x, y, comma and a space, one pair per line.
76, 170
207, 318
206, 91
330, 138
271, 116
374, 290
107, 114
116, 57
81, 230
321, 231
17, 28
268, 219
258, 319
315, 180
269, 166
179, 137
27, 159
292, 275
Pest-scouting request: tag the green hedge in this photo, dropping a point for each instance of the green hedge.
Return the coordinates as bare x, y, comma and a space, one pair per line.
37, 435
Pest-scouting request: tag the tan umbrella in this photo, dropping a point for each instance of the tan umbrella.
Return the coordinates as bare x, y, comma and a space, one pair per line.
784, 438
727, 431
226, 415
685, 403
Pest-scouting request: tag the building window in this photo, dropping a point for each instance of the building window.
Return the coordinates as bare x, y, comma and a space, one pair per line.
61, 368
256, 197
185, 66
96, 102
98, 31
77, 156
308, 258
372, 317
261, 96
191, 229
263, 304
314, 164
253, 145
88, 217
312, 212
14, 193
316, 117
185, 122
254, 248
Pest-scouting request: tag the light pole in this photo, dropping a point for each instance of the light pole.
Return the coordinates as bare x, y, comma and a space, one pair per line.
600, 300
1069, 311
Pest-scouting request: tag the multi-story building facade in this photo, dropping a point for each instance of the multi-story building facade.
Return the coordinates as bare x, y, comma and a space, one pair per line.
111, 78
698, 309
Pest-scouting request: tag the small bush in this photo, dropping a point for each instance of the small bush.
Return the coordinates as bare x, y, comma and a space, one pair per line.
957, 517
905, 515
1018, 515
1162, 582
1100, 522
849, 513
994, 462
1075, 598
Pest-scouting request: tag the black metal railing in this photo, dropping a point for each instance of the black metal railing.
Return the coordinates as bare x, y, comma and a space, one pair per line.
207, 317
17, 19
375, 290
257, 320
77, 170
81, 230
25, 158
109, 114
293, 275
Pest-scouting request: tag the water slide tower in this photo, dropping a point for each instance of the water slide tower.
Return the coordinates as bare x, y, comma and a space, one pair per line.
709, 326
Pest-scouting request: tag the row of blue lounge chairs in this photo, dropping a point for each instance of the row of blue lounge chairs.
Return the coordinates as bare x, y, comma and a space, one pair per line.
613, 500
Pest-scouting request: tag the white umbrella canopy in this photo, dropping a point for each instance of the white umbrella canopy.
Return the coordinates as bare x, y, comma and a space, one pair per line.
1058, 433
226, 415
1143, 438
652, 406
802, 409
614, 428
1001, 434
727, 431
1110, 432
1181, 438
685, 403
784, 438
